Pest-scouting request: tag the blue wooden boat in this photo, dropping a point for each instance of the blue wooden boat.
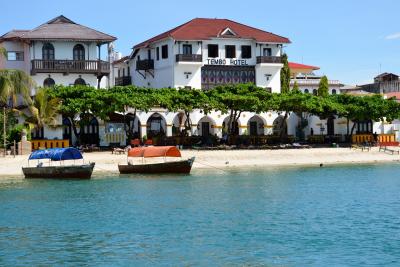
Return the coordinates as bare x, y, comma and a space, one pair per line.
61, 171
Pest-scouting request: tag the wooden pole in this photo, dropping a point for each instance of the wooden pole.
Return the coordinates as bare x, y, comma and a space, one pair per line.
4, 130
15, 148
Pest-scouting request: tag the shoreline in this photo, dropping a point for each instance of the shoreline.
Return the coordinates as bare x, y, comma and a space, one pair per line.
226, 160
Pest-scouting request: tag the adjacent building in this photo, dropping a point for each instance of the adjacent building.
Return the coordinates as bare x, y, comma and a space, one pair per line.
59, 51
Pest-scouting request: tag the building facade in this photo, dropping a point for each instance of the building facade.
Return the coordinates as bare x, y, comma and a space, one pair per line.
202, 54
59, 51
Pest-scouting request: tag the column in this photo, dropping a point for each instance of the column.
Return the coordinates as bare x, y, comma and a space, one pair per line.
143, 130
169, 129
268, 129
242, 129
194, 130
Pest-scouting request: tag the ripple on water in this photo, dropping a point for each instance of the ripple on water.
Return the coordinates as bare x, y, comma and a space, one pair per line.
278, 217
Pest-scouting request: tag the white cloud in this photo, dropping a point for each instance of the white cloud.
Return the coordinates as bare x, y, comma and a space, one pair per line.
393, 36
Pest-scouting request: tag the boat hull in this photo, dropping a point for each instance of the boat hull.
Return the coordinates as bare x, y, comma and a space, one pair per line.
182, 166
60, 172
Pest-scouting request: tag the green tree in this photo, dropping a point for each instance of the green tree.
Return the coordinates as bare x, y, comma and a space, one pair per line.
323, 87
78, 104
44, 110
295, 87
120, 99
236, 99
186, 100
285, 75
15, 85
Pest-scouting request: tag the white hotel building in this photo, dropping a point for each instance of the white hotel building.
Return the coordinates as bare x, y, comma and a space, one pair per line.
201, 54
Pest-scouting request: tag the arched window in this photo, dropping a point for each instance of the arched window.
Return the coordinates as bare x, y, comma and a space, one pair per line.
306, 91
333, 91
48, 51
48, 82
79, 52
314, 91
79, 81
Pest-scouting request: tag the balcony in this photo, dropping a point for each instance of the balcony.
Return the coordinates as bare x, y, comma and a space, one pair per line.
97, 67
189, 58
122, 81
145, 64
268, 59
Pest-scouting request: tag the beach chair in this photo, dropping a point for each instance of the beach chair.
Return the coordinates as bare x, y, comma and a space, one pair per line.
135, 142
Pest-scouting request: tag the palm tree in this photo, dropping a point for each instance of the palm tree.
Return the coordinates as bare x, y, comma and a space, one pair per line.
14, 85
44, 110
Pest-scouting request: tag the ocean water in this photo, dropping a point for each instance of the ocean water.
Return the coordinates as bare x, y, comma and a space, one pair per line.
331, 216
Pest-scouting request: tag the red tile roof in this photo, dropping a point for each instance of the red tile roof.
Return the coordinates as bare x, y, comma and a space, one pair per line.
293, 65
396, 95
205, 29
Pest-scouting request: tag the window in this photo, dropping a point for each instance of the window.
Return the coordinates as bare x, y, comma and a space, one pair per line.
246, 51
119, 73
15, 56
187, 49
212, 50
48, 82
158, 53
267, 52
306, 91
79, 81
79, 52
230, 51
149, 54
164, 51
334, 92
123, 72
48, 51
129, 71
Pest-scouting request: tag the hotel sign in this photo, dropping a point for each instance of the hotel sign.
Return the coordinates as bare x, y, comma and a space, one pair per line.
227, 61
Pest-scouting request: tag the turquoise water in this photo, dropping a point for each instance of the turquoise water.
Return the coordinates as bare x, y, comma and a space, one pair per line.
332, 216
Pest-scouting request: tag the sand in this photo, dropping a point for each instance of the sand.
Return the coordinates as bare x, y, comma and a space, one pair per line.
229, 159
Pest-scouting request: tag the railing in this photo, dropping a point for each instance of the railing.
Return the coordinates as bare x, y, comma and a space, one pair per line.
386, 138
145, 64
189, 58
312, 82
122, 81
361, 138
39, 144
268, 59
70, 66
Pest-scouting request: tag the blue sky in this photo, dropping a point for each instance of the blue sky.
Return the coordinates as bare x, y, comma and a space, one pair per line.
350, 40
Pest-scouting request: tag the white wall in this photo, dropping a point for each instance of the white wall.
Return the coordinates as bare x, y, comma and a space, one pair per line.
61, 79
169, 73
64, 50
274, 81
16, 47
163, 68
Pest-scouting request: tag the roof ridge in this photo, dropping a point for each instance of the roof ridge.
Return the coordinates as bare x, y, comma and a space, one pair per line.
168, 33
257, 29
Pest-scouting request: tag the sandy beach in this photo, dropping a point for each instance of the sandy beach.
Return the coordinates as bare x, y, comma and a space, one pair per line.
230, 159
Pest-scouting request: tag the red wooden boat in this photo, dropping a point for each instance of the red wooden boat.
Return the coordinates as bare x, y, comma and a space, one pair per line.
179, 166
